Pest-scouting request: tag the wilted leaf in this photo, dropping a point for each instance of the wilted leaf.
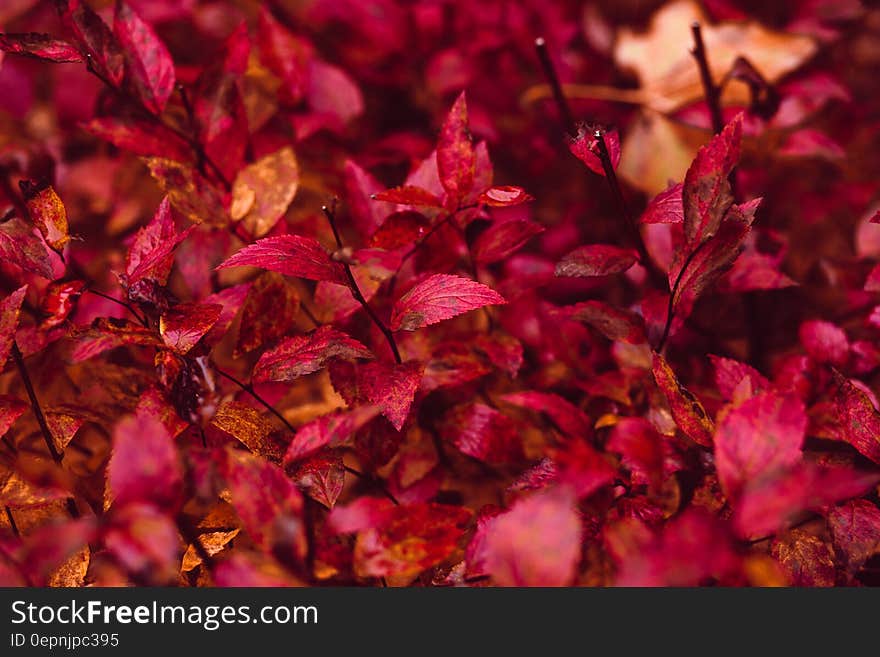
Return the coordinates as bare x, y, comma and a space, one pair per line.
440, 297
10, 309
807, 559
249, 427
687, 411
47, 212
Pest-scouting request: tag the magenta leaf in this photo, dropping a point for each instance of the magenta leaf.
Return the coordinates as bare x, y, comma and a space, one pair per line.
296, 357
440, 297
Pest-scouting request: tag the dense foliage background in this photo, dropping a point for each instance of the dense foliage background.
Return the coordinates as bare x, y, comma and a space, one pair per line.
336, 292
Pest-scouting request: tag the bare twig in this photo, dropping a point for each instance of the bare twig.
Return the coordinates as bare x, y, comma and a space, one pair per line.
562, 106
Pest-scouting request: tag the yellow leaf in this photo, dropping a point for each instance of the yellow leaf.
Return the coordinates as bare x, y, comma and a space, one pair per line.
263, 190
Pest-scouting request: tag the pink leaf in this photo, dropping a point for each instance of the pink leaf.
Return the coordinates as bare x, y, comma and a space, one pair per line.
301, 355
11, 408
145, 466
321, 477
758, 437
614, 323
824, 342
150, 64
641, 448
597, 260
855, 527
440, 297
152, 252
95, 39
858, 418
291, 255
730, 375
537, 542
390, 386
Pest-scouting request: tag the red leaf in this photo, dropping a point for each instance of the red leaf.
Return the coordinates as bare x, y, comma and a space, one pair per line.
152, 252
409, 195
755, 271
414, 537
330, 430
687, 411
40, 46
285, 55
390, 386
366, 214
10, 308
145, 466
483, 433
501, 239
291, 255
759, 437
95, 39
505, 196
11, 408
363, 513
440, 297
767, 505
304, 354
597, 260
824, 342
565, 415
149, 62
585, 147
665, 208
140, 137
321, 477
855, 527
21, 246
333, 93
400, 229
641, 448
859, 420
583, 468
537, 542
732, 376
456, 159
706, 194
185, 324
613, 323
268, 503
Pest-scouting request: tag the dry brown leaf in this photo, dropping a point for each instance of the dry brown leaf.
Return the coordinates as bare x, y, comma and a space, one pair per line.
248, 426
213, 542
263, 190
667, 71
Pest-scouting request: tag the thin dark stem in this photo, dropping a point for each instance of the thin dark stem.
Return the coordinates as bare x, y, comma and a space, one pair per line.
248, 388
629, 219
562, 106
330, 213
57, 456
127, 306
670, 308
373, 481
710, 89
12, 524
